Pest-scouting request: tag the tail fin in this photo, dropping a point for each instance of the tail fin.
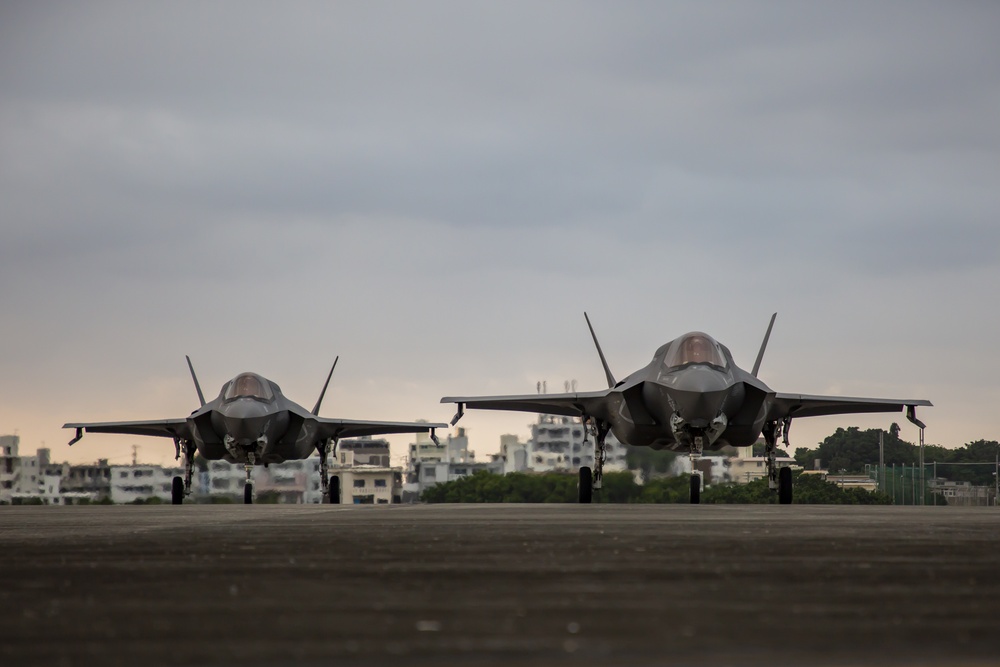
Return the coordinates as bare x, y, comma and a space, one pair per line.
201, 396
604, 362
760, 355
315, 410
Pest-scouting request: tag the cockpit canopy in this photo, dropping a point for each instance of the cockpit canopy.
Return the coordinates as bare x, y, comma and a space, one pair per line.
694, 348
248, 385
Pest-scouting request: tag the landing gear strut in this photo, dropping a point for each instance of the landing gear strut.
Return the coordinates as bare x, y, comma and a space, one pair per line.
248, 484
697, 448
591, 481
330, 485
181, 487
779, 480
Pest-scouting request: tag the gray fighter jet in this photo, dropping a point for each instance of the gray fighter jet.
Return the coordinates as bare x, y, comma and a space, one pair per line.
251, 422
690, 398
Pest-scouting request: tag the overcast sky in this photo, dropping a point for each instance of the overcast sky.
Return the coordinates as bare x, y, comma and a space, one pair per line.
436, 191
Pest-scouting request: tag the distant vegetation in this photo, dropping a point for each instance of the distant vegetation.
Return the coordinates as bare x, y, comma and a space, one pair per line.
619, 487
849, 450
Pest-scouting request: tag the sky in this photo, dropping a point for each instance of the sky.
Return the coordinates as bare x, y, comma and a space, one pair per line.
437, 191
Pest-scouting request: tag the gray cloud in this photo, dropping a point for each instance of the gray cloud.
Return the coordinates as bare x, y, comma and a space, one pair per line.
436, 191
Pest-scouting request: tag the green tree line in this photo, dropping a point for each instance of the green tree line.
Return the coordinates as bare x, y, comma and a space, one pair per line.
849, 450
620, 487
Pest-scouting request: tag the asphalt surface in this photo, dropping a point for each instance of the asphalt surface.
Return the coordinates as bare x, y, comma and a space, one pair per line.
499, 585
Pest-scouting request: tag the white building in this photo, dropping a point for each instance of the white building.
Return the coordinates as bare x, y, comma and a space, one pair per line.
745, 467
142, 482
433, 463
557, 445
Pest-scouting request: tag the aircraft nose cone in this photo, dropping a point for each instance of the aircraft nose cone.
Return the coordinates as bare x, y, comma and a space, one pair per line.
698, 393
698, 379
244, 408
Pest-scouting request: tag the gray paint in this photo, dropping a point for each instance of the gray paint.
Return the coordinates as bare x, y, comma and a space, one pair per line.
269, 426
666, 406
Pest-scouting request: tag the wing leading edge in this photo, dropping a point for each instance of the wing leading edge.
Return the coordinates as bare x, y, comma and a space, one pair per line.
352, 428
163, 428
570, 405
804, 405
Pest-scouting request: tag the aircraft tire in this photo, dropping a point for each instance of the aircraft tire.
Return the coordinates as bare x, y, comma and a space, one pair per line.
334, 497
695, 489
248, 493
785, 486
586, 486
177, 491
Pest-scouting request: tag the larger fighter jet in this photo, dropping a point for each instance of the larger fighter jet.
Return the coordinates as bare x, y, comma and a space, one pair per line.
251, 422
691, 397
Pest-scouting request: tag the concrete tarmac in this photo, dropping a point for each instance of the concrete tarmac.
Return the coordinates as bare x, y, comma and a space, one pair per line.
499, 585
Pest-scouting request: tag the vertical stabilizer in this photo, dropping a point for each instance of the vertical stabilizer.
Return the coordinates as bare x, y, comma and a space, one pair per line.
315, 410
600, 352
760, 355
201, 396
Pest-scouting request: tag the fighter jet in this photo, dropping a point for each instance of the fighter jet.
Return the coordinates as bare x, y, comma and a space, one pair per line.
251, 422
690, 398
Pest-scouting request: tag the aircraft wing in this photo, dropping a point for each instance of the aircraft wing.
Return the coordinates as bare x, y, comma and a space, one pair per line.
164, 428
804, 405
570, 405
352, 428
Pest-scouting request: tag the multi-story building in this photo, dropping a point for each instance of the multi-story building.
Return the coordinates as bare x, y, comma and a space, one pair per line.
10, 466
742, 468
92, 479
369, 485
431, 463
513, 456
141, 482
366, 451
557, 445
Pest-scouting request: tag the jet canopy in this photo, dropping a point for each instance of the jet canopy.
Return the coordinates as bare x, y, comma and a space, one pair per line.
694, 348
248, 385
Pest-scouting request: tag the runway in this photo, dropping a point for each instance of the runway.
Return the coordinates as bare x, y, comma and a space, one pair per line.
499, 585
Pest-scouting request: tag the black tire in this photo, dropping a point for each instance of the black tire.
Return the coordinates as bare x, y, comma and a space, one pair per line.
248, 493
785, 486
695, 489
177, 491
586, 486
334, 496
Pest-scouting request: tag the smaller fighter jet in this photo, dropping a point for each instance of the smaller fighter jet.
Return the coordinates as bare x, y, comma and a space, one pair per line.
690, 398
251, 422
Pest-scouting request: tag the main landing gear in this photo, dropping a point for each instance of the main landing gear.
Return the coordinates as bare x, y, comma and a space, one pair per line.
591, 481
330, 483
778, 479
181, 487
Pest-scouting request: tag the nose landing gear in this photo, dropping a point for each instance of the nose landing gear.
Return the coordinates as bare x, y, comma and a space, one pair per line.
181, 487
